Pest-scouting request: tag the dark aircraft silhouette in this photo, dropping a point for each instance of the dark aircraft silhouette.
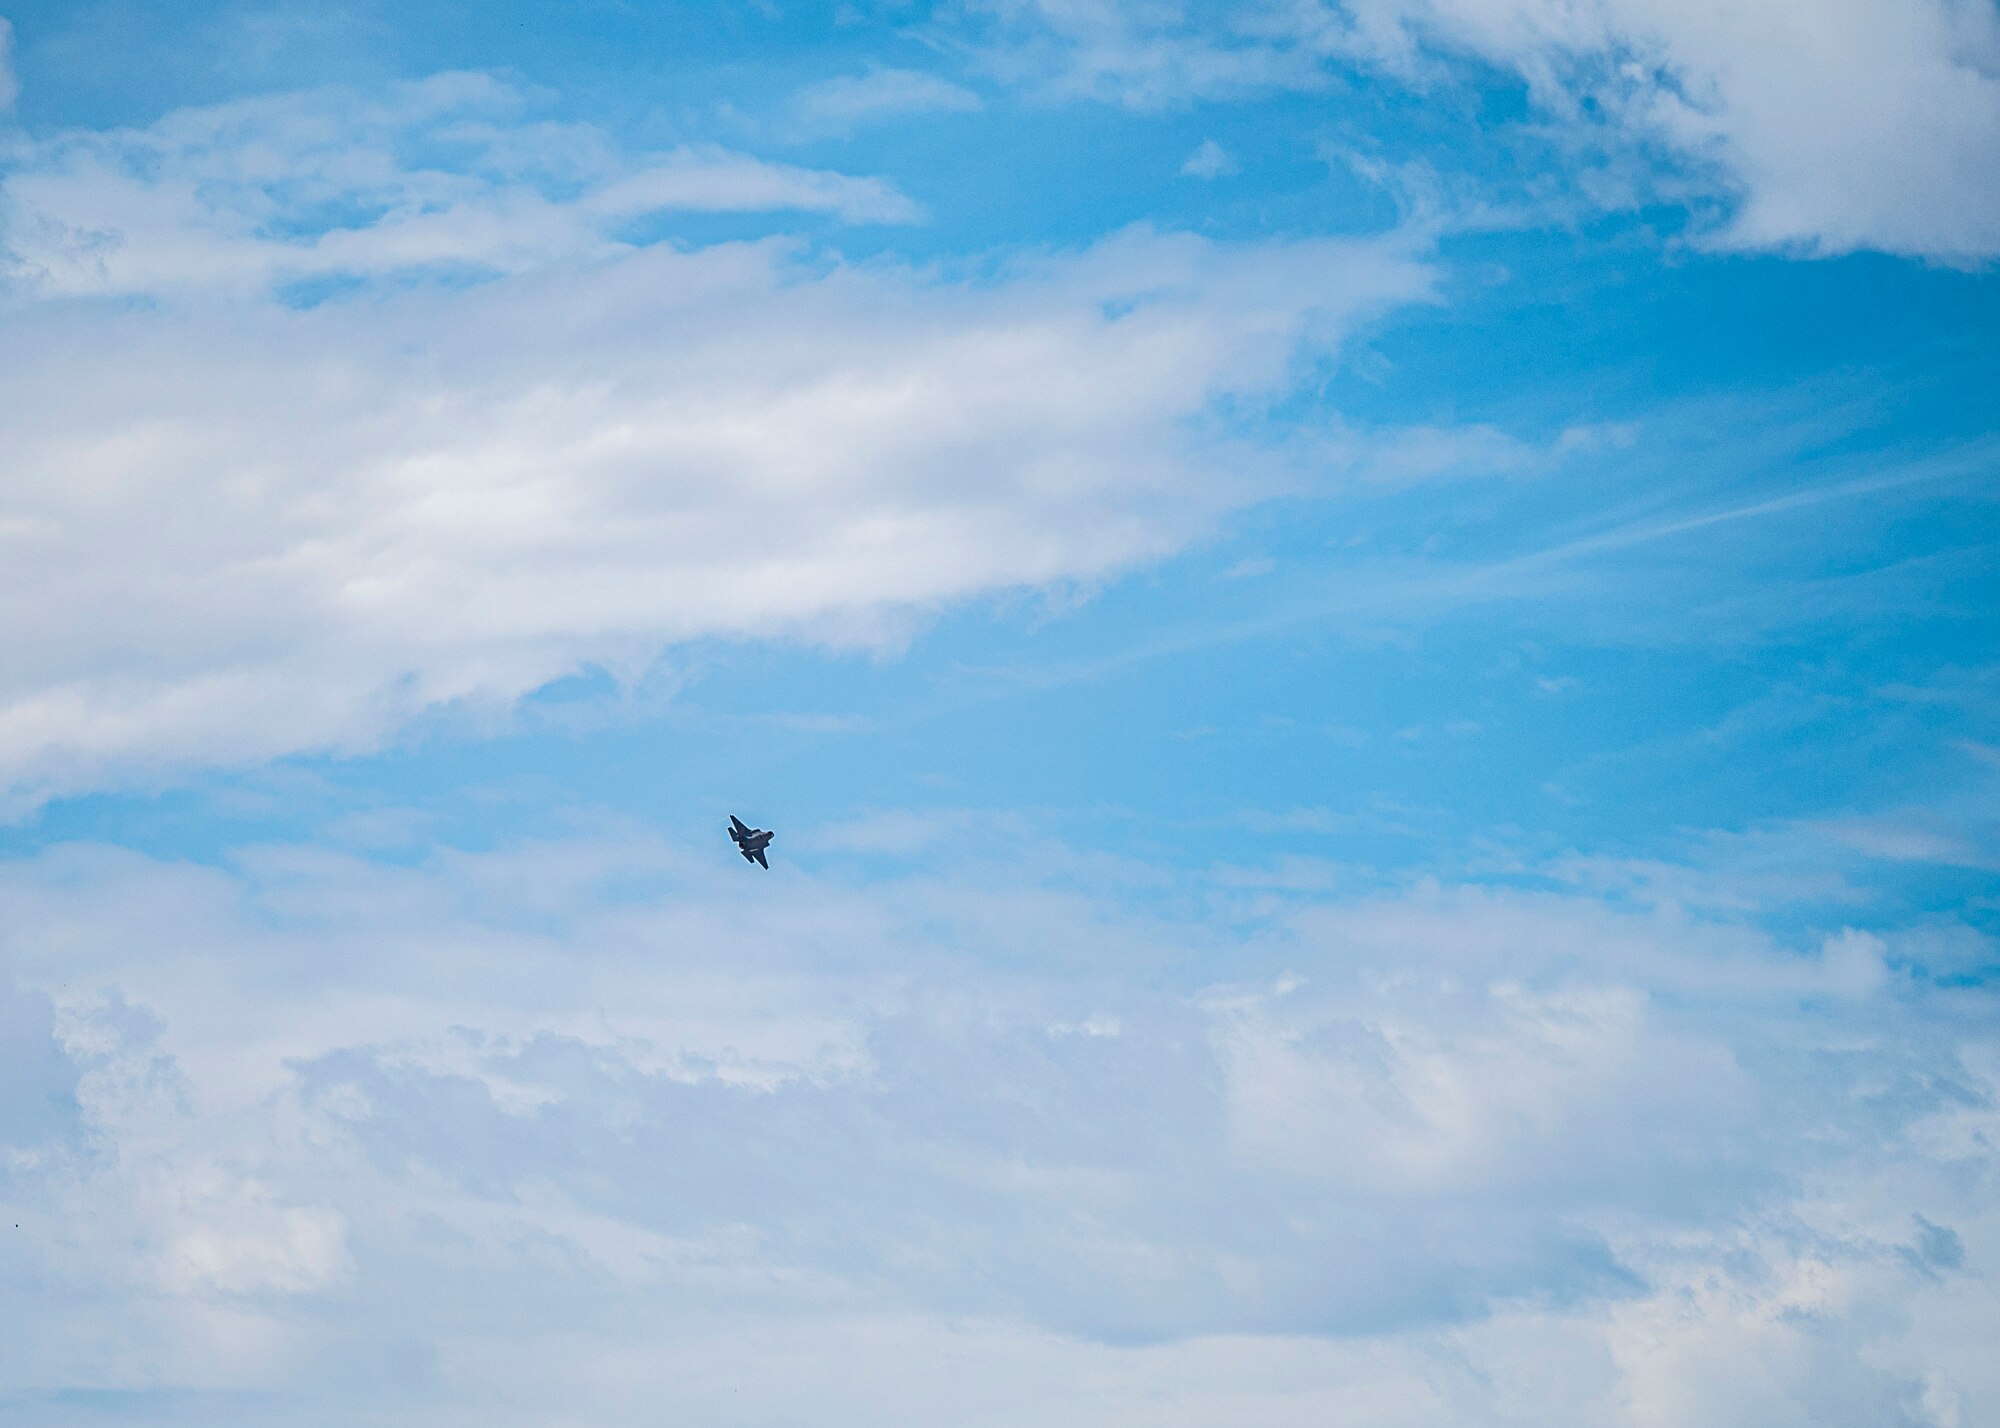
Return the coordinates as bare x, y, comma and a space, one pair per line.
750, 842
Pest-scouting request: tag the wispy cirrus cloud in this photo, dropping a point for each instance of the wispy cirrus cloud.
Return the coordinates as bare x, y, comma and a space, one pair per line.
450, 173
848, 102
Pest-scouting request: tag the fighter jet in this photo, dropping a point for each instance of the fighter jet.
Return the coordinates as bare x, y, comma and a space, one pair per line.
750, 842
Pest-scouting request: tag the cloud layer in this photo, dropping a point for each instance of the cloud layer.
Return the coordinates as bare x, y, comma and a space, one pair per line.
324, 409
250, 527
1452, 1155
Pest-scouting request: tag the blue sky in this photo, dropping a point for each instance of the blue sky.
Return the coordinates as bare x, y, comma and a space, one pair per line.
1368, 629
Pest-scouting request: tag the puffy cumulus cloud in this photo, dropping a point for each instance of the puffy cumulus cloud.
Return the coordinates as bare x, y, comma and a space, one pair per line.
1863, 124
1860, 124
525, 1144
234, 526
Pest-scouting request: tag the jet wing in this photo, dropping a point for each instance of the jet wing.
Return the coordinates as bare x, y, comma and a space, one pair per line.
738, 829
759, 856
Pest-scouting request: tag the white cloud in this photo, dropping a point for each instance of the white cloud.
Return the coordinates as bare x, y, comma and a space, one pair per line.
715, 181
1459, 1156
1149, 55
447, 173
1829, 127
233, 528
1901, 841
1856, 124
222, 1236
1395, 457
1209, 160
847, 102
